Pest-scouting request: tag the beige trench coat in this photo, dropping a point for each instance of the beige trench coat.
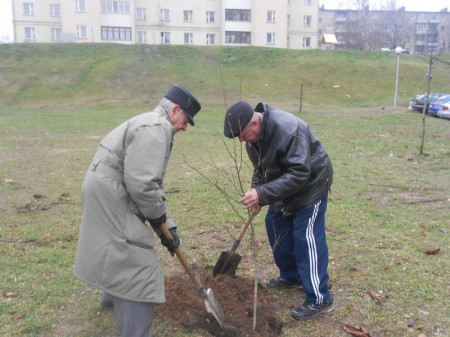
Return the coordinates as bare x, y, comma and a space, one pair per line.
122, 188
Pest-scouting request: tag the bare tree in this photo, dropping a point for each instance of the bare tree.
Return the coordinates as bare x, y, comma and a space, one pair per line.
431, 64
396, 28
361, 24
374, 29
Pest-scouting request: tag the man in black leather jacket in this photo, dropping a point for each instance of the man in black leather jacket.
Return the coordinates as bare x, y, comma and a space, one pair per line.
293, 175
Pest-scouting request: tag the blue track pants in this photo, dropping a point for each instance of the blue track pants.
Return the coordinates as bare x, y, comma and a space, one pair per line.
300, 248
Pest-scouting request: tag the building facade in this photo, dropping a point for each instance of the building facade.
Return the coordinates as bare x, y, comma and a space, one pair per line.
292, 24
278, 24
417, 32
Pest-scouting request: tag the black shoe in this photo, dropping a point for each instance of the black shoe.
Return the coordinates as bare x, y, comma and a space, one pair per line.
281, 283
309, 311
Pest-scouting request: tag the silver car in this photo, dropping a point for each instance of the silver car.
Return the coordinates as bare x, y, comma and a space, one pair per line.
444, 111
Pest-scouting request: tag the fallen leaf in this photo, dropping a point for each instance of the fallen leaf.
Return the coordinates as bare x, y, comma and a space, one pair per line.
383, 246
375, 296
357, 332
431, 251
9, 295
16, 317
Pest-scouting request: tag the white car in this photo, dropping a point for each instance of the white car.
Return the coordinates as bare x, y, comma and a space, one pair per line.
444, 111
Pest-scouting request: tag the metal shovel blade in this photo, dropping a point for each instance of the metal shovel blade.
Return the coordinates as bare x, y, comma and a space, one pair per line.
227, 263
213, 306
228, 260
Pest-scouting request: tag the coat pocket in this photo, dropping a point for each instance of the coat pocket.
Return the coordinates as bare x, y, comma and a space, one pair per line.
137, 233
272, 174
134, 229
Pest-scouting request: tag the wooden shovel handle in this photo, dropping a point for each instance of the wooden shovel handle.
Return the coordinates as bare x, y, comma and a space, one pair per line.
238, 239
184, 262
244, 227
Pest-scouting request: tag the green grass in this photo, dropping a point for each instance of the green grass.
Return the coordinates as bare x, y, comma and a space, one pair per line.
388, 202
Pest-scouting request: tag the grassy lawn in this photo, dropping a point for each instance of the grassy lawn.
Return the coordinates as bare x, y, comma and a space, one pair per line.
388, 204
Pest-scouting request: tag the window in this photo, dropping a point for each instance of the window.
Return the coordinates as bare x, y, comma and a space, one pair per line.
141, 37
421, 27
421, 37
238, 37
307, 20
342, 16
210, 39
307, 2
30, 33
116, 6
28, 9
210, 16
187, 15
270, 38
238, 15
56, 34
165, 37
271, 17
55, 10
306, 42
164, 15
116, 33
188, 38
81, 32
80, 5
141, 14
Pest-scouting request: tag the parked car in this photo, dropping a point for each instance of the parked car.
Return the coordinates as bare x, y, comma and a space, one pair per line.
412, 101
444, 111
434, 105
418, 103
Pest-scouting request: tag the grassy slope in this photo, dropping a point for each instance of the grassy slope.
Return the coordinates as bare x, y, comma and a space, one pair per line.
74, 73
388, 202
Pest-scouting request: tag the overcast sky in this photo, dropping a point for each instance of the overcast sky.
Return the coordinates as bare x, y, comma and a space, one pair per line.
411, 5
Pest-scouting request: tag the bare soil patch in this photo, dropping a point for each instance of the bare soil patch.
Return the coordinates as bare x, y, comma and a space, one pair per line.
185, 309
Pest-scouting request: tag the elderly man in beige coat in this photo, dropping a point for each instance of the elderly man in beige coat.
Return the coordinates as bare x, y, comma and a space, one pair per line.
123, 188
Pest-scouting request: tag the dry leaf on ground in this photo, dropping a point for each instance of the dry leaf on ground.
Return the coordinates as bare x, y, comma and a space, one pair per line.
431, 251
357, 332
375, 296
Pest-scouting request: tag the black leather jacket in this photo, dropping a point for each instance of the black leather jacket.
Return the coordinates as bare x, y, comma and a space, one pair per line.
291, 167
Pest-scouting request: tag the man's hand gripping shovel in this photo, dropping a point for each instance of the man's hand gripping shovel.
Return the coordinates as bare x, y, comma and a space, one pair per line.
212, 305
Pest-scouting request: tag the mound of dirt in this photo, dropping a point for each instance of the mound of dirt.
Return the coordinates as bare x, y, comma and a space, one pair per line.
185, 308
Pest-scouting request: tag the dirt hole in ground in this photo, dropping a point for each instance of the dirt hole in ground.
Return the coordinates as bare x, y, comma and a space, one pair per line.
186, 309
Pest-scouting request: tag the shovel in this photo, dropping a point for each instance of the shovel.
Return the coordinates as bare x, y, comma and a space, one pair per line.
228, 260
212, 305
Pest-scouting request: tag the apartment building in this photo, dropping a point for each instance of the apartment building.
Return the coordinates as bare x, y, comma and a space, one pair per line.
417, 32
279, 24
